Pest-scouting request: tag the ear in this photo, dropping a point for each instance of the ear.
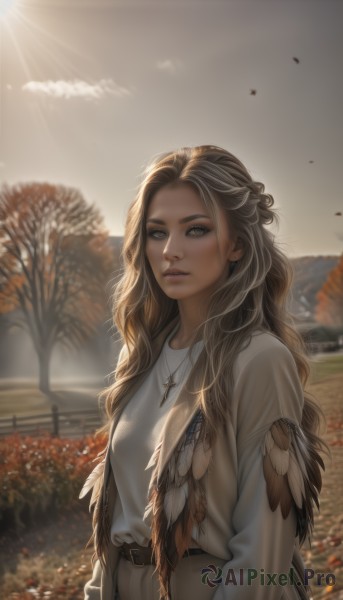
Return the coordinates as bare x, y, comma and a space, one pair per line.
237, 251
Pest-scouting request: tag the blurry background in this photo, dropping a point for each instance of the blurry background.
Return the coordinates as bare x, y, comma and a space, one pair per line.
90, 92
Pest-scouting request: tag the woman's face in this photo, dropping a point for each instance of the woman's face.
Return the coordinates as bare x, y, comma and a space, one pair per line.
188, 257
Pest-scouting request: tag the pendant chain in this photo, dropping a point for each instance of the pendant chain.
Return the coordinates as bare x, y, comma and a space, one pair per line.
169, 383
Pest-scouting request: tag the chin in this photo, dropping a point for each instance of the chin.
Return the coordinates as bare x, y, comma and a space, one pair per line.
176, 295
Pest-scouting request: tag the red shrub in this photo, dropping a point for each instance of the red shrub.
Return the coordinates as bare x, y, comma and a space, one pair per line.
37, 474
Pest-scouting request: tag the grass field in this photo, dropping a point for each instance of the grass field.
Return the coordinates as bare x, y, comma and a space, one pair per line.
26, 400
323, 367
50, 560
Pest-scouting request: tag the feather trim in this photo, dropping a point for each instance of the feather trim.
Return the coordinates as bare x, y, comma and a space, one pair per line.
184, 460
279, 459
101, 523
93, 482
201, 459
268, 443
154, 458
296, 480
174, 501
291, 466
279, 431
177, 501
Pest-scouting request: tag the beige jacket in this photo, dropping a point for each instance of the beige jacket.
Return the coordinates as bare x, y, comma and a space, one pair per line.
240, 527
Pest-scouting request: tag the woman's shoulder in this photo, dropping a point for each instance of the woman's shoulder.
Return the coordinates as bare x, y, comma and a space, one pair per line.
266, 380
263, 350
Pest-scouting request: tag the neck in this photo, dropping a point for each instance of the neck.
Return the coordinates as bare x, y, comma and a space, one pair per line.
190, 319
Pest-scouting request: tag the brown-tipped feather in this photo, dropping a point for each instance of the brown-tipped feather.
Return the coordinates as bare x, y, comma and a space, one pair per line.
159, 526
279, 459
286, 500
102, 525
198, 502
274, 483
280, 434
201, 459
183, 533
295, 480
301, 483
171, 533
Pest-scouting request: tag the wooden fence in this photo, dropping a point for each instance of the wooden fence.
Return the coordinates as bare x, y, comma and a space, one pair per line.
322, 347
58, 423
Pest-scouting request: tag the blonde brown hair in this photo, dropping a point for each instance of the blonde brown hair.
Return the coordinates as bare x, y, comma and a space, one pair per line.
254, 296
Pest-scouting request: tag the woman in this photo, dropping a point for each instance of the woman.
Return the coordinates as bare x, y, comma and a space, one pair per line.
208, 482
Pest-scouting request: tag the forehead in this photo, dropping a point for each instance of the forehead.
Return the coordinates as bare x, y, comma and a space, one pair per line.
180, 200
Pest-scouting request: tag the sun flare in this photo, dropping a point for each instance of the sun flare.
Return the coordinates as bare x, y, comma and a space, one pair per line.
6, 7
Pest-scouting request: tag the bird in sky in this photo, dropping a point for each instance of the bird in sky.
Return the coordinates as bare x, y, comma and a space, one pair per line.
311, 162
253, 92
296, 60
338, 214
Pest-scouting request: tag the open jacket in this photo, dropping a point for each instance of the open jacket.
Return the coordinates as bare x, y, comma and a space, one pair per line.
250, 522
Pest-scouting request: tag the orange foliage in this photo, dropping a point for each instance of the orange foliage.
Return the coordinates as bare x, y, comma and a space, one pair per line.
55, 264
329, 309
41, 473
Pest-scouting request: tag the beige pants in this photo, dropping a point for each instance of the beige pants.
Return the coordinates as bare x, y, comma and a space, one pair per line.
141, 583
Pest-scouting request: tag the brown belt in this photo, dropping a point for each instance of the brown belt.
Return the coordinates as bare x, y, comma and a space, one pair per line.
143, 555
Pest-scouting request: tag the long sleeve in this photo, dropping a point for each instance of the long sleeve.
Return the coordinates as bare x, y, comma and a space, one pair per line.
102, 582
92, 588
267, 389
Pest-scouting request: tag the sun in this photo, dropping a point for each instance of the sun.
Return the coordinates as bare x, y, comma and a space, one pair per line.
6, 7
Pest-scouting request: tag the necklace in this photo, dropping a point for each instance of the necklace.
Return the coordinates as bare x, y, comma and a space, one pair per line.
169, 383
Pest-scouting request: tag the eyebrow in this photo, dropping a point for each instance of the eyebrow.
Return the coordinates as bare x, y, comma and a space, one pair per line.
185, 220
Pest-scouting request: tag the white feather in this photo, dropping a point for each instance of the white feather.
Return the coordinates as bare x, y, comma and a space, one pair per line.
295, 480
148, 510
268, 443
92, 478
301, 453
174, 501
178, 479
95, 492
201, 459
279, 459
300, 441
154, 458
184, 460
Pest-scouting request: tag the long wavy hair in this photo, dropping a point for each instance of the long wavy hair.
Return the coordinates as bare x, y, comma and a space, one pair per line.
252, 297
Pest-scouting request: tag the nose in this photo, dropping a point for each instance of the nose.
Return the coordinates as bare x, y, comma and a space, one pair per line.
173, 248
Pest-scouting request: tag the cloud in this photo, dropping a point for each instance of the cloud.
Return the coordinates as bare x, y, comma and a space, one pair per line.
77, 89
168, 65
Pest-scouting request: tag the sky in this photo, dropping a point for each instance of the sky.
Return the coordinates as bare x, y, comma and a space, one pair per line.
92, 90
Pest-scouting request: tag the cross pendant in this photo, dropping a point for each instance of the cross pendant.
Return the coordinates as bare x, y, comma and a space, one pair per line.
167, 385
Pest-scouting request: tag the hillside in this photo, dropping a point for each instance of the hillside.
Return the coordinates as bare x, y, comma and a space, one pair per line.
310, 273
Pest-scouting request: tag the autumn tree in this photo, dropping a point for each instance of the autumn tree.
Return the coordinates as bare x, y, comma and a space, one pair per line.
55, 261
329, 310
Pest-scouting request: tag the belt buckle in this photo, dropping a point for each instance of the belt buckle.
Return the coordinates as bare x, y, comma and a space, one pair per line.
133, 555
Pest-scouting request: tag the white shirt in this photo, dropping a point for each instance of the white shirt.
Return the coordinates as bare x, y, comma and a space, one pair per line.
136, 436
